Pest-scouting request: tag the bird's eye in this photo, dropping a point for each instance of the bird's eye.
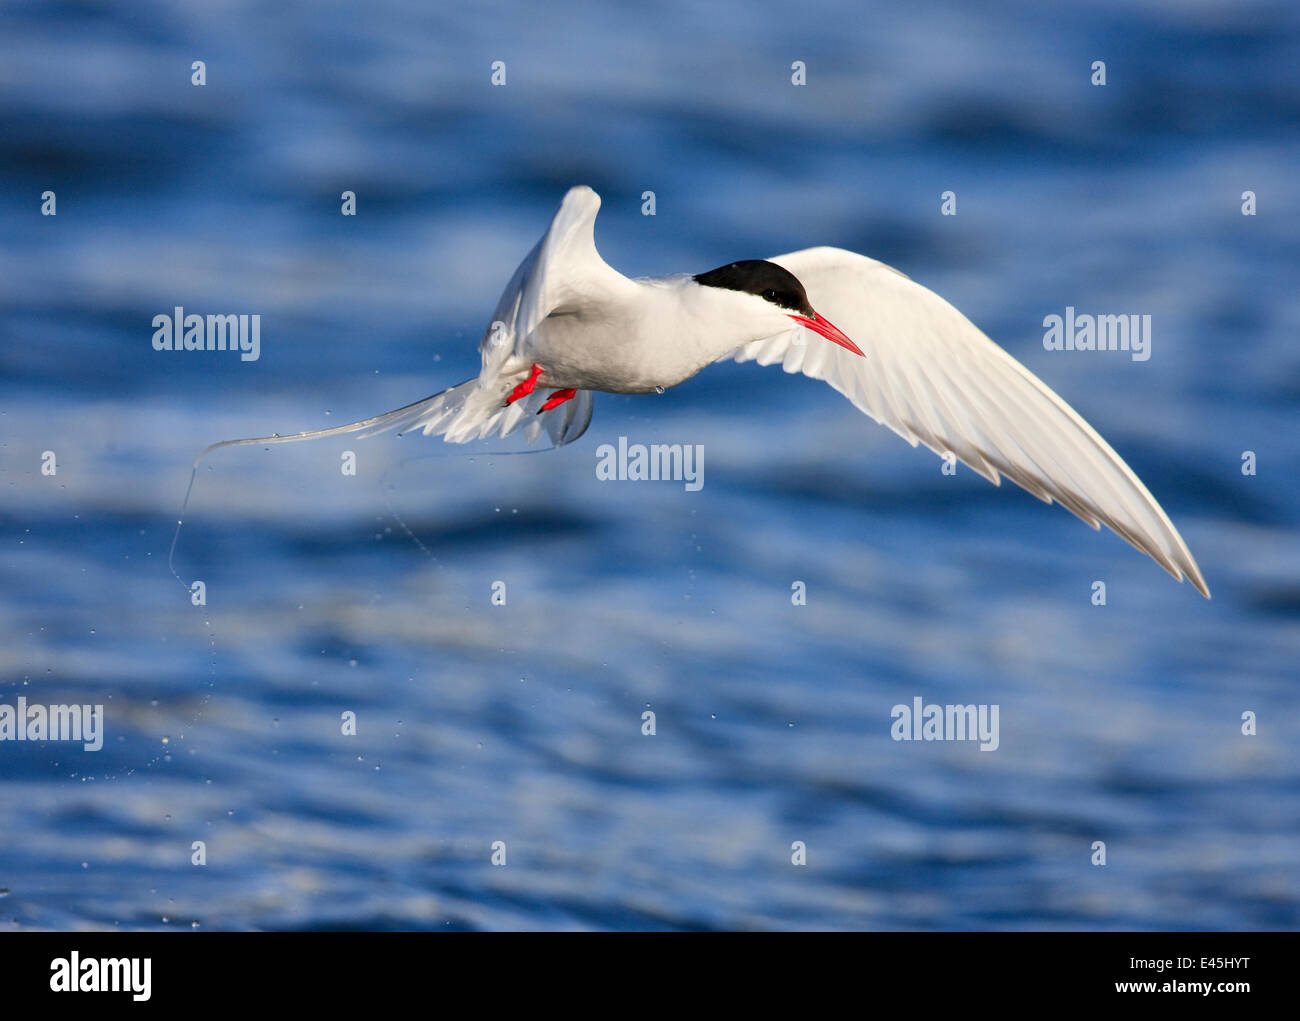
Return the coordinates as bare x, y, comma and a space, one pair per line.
769, 295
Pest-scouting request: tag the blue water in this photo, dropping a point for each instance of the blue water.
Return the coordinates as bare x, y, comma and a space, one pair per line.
371, 594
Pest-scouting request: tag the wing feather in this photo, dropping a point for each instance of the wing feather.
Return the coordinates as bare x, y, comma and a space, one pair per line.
932, 377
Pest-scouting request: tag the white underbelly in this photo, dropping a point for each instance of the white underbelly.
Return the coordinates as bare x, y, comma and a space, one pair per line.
609, 356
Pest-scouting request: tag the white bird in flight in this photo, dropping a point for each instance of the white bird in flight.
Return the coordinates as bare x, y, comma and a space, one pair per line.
568, 324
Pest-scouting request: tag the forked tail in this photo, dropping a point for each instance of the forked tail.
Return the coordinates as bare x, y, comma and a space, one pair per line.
465, 412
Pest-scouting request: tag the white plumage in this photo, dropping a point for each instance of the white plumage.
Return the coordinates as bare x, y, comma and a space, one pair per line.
905, 357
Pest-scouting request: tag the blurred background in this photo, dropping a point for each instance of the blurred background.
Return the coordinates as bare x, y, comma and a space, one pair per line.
522, 723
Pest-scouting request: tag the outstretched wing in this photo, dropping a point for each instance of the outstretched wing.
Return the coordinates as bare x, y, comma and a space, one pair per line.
930, 375
562, 270
476, 409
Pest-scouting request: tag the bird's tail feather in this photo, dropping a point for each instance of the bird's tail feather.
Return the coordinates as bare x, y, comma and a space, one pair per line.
465, 412
428, 414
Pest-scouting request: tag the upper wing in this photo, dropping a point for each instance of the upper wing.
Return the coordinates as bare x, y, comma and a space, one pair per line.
544, 282
563, 267
476, 409
934, 378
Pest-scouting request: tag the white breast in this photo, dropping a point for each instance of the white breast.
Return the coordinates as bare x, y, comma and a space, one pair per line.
654, 333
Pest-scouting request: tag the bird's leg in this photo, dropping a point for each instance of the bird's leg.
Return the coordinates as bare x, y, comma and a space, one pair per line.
558, 398
526, 387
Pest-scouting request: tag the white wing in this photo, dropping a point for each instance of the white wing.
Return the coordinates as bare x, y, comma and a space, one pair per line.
544, 282
476, 409
563, 269
931, 376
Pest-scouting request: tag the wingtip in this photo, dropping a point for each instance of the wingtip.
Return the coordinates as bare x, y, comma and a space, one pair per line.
1182, 570
1189, 568
583, 191
1189, 572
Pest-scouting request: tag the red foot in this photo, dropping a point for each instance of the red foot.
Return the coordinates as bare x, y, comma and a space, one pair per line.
558, 398
526, 387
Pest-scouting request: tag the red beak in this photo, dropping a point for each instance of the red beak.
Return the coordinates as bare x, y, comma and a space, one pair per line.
822, 325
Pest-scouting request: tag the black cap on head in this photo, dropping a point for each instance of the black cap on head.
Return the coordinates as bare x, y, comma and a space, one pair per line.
767, 280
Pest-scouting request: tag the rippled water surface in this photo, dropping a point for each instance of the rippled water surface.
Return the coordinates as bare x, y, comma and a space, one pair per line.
329, 594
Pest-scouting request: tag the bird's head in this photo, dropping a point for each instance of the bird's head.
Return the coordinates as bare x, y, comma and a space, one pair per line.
762, 293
